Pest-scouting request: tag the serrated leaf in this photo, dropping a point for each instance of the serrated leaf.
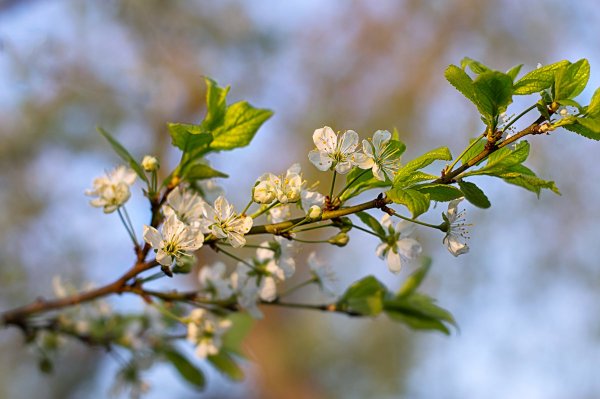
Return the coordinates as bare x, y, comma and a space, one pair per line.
474, 194
592, 124
475, 66
503, 159
416, 202
514, 71
461, 81
216, 104
493, 93
240, 124
186, 369
201, 171
189, 138
364, 297
538, 79
409, 179
582, 131
414, 280
124, 154
593, 110
419, 312
371, 222
405, 172
475, 150
570, 81
223, 362
439, 192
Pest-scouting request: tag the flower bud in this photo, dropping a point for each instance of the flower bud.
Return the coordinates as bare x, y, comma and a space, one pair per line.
263, 192
339, 240
150, 163
314, 212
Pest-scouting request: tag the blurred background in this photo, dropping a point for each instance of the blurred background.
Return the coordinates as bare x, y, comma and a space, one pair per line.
526, 297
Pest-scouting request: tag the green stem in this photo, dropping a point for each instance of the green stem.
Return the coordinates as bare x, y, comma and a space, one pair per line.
522, 114
449, 168
349, 184
311, 241
438, 227
247, 207
320, 226
332, 184
368, 231
165, 312
245, 262
263, 210
129, 231
297, 287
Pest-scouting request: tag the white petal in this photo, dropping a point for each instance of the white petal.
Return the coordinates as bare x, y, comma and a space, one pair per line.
325, 139
394, 262
409, 248
381, 137
343, 167
381, 250
455, 247
362, 161
367, 148
236, 240
163, 258
295, 169
320, 159
378, 173
349, 142
268, 289
405, 228
152, 236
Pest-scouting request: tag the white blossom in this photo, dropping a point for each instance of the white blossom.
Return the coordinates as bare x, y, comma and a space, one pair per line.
280, 213
214, 281
399, 248
206, 332
382, 157
456, 229
112, 189
331, 153
223, 222
187, 205
285, 188
311, 198
264, 191
281, 252
176, 239
323, 274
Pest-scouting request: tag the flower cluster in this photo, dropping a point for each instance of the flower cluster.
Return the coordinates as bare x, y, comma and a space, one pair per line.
285, 188
206, 332
380, 154
399, 248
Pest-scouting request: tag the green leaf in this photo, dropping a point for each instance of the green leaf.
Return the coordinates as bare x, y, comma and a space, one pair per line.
410, 178
514, 71
529, 182
502, 159
363, 181
474, 194
200, 171
593, 110
189, 138
474, 150
571, 80
461, 81
416, 202
240, 124
216, 104
539, 79
476, 66
414, 280
439, 192
241, 325
407, 171
124, 154
372, 223
582, 130
419, 312
186, 369
223, 362
493, 93
364, 297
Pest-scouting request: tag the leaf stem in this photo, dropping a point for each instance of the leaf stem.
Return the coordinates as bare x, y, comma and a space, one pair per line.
349, 184
127, 227
433, 226
332, 184
368, 231
522, 114
473, 143
245, 262
263, 210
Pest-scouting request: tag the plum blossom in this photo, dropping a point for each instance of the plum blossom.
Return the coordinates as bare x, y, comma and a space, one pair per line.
399, 248
285, 188
222, 221
187, 205
206, 332
112, 189
331, 152
213, 280
322, 274
382, 156
456, 229
176, 239
150, 163
281, 252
